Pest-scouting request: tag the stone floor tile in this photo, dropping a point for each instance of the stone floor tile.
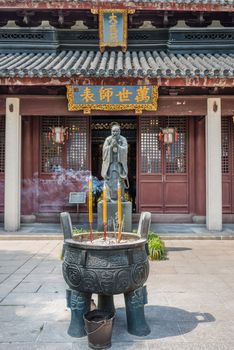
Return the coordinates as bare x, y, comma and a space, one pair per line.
221, 314
56, 332
173, 314
27, 287
53, 311
52, 287
167, 270
16, 346
3, 277
34, 277
155, 345
138, 345
8, 269
83, 345
206, 332
52, 346
12, 263
43, 270
30, 299
9, 313
20, 331
193, 298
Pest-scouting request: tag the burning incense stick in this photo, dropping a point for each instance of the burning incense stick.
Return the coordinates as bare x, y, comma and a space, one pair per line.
121, 230
91, 207
105, 226
119, 212
114, 228
104, 210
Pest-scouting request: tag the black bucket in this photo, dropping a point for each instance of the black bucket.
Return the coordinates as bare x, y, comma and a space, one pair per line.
98, 326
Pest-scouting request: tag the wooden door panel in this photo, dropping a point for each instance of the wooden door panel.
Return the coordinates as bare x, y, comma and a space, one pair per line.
176, 197
176, 178
2, 193
227, 196
163, 177
151, 194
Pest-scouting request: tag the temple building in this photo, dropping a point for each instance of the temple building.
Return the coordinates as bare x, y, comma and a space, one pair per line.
162, 69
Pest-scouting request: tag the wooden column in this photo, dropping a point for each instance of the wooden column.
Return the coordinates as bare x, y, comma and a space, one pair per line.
36, 162
27, 181
200, 166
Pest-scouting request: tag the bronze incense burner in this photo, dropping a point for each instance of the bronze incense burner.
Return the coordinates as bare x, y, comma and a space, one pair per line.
106, 270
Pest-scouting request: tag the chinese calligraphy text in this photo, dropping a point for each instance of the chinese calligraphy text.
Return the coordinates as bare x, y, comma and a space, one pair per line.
113, 28
97, 97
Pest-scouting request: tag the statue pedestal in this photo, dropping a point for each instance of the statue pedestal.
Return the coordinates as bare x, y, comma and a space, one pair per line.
112, 213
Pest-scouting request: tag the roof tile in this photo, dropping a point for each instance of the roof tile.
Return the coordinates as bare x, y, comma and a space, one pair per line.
112, 63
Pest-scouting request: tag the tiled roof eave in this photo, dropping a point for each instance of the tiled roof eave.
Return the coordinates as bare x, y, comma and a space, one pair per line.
113, 66
175, 5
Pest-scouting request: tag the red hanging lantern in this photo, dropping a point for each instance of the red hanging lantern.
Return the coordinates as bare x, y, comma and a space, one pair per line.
161, 136
169, 150
59, 135
168, 135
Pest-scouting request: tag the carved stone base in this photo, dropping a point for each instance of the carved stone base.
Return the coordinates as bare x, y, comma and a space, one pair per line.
112, 214
135, 302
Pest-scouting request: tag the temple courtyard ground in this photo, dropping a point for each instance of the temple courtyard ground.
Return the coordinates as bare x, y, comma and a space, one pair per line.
190, 299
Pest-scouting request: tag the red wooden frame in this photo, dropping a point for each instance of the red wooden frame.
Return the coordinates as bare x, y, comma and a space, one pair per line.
181, 199
32, 107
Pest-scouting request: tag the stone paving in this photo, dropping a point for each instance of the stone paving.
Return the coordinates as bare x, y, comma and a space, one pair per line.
167, 231
191, 299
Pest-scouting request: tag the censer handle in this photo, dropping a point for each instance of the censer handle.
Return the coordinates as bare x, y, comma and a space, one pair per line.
144, 224
66, 224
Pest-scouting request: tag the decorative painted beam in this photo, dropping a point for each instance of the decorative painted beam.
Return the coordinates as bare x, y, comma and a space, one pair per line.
173, 82
192, 105
215, 6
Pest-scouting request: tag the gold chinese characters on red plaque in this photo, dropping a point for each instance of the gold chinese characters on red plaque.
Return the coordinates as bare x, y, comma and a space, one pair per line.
112, 98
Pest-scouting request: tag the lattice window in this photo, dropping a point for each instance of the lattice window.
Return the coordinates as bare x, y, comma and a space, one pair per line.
176, 153
51, 154
2, 144
70, 156
156, 157
77, 144
151, 150
225, 139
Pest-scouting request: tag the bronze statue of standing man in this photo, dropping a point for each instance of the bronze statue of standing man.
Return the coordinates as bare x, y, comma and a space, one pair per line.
114, 162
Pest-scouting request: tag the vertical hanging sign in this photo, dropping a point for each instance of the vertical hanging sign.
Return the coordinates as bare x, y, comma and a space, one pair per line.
113, 28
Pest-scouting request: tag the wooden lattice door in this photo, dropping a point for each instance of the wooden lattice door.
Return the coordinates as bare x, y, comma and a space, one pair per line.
227, 152
64, 167
2, 161
163, 169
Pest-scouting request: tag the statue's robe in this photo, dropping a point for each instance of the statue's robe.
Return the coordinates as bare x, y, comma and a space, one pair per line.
120, 157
